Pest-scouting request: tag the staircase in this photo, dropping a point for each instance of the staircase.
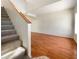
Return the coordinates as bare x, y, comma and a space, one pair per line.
8, 32
9, 37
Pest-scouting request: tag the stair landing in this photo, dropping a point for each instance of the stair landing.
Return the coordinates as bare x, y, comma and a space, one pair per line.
53, 47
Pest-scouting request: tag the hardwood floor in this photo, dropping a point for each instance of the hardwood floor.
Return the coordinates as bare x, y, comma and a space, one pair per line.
53, 47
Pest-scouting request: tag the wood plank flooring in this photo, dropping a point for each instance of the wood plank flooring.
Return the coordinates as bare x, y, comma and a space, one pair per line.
53, 47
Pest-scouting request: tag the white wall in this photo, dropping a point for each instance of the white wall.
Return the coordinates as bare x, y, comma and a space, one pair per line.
59, 23
1, 5
20, 4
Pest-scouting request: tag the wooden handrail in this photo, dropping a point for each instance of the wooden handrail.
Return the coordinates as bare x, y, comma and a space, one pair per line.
25, 17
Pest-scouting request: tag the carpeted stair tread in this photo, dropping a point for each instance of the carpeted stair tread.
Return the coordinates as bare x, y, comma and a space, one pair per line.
4, 16
5, 19
6, 27
3, 11
8, 38
5, 22
7, 32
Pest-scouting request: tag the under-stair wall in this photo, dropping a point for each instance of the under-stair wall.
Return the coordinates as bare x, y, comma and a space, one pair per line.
21, 25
